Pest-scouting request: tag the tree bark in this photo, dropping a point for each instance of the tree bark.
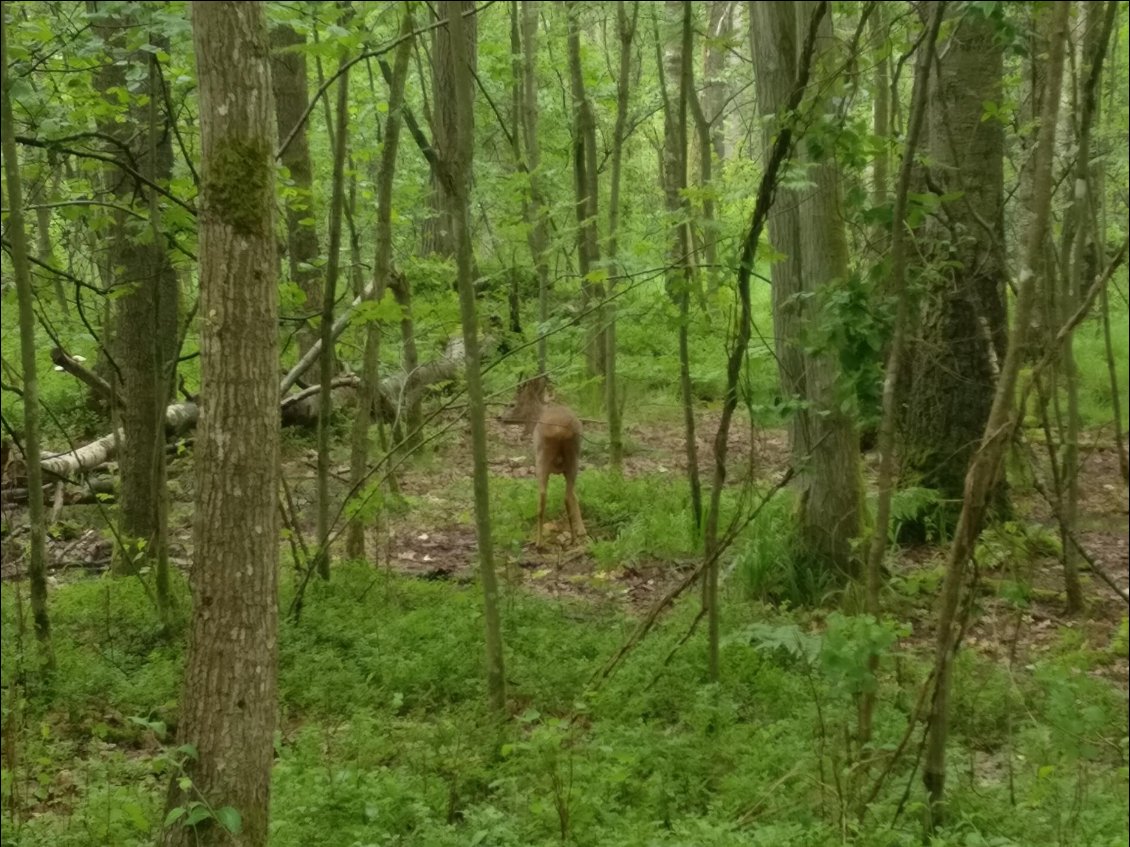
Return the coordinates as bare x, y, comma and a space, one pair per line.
440, 235
288, 76
382, 264
806, 226
985, 464
538, 237
230, 690
898, 289
586, 194
962, 341
625, 30
21, 269
326, 363
145, 336
455, 125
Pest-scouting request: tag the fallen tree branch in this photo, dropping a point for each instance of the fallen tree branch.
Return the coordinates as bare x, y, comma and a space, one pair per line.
181, 417
72, 366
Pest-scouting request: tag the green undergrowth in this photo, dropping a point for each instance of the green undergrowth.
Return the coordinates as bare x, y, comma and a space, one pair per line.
384, 735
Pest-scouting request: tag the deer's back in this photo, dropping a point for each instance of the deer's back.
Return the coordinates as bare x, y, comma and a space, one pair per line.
557, 438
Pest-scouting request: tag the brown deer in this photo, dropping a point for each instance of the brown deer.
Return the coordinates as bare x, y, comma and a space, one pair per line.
557, 446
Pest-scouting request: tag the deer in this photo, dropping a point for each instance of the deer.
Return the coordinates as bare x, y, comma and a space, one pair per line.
557, 446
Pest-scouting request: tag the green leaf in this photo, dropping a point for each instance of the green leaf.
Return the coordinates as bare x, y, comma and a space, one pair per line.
197, 813
175, 815
229, 819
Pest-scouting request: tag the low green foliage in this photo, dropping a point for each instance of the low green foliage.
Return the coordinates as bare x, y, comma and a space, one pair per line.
385, 736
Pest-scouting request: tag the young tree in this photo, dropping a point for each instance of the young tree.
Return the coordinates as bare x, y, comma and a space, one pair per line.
382, 267
673, 62
21, 269
877, 546
229, 697
625, 30
455, 126
329, 296
1079, 252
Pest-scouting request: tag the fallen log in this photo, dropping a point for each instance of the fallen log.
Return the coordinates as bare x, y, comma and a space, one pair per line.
94, 491
296, 410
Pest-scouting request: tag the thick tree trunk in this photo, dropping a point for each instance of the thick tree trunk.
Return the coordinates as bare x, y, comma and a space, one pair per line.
440, 234
145, 337
229, 698
984, 467
806, 227
963, 326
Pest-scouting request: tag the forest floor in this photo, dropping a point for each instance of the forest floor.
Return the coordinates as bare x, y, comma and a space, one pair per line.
433, 537
381, 689
1001, 629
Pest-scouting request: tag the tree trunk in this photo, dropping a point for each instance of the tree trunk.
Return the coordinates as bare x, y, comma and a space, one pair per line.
881, 120
288, 76
806, 226
326, 362
672, 55
625, 30
538, 237
585, 191
440, 234
455, 124
707, 229
898, 289
382, 264
715, 90
21, 269
997, 432
1081, 258
963, 326
229, 698
145, 336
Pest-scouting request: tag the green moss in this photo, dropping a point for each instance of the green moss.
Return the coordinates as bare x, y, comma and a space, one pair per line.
238, 184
